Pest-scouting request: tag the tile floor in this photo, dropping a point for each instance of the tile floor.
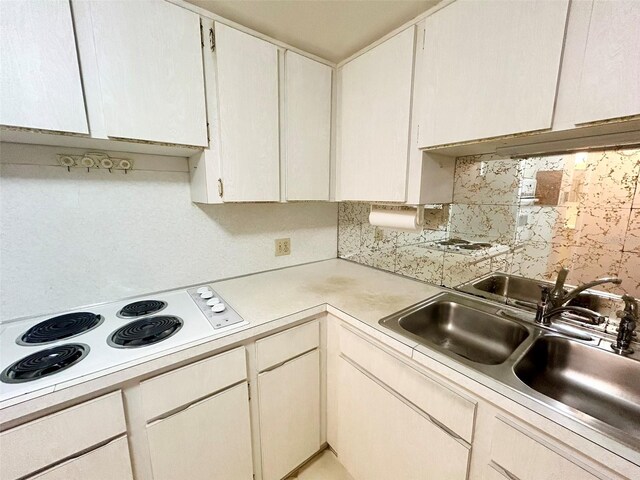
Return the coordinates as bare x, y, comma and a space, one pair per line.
324, 467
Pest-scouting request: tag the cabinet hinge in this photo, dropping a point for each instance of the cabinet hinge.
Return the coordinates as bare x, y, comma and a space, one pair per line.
249, 389
418, 135
201, 35
208, 135
424, 34
220, 187
212, 39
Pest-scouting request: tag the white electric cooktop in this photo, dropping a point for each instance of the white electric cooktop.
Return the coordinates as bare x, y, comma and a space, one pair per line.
46, 353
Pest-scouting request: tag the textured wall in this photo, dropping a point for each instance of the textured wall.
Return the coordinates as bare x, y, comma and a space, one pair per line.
74, 238
592, 227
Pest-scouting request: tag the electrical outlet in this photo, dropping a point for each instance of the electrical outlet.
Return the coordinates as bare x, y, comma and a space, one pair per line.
283, 246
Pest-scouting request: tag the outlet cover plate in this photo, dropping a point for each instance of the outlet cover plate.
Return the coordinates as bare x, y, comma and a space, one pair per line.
283, 246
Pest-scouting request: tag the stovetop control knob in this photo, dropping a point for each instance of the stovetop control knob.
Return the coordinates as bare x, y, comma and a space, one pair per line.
202, 290
213, 301
206, 295
218, 308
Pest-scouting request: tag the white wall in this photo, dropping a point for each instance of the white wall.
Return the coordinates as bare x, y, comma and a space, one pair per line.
75, 238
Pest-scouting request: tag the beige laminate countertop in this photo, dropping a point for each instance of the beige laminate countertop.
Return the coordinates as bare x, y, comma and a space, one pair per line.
361, 292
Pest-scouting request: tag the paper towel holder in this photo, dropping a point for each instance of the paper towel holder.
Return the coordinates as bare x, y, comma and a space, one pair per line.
418, 209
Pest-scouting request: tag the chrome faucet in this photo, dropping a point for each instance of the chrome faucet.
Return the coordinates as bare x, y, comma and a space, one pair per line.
560, 297
546, 310
628, 322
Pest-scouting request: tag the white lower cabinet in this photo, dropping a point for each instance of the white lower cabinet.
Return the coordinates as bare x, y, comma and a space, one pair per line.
289, 398
108, 462
65, 435
210, 439
383, 437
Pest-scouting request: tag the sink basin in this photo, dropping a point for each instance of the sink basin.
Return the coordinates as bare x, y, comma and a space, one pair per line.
461, 329
525, 292
596, 382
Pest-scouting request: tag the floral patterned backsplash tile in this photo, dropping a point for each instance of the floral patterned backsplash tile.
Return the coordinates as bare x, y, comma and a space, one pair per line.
584, 215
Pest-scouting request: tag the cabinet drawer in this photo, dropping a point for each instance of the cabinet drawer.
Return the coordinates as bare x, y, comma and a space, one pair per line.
108, 462
40, 443
179, 387
528, 458
450, 409
282, 346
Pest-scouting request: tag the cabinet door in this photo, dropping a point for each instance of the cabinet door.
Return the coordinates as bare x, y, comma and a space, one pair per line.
40, 83
149, 58
209, 439
374, 101
247, 77
289, 415
381, 437
108, 462
610, 81
308, 128
490, 69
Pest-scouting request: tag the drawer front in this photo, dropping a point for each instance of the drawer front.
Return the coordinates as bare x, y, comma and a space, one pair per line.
450, 409
285, 345
527, 458
180, 387
108, 462
40, 443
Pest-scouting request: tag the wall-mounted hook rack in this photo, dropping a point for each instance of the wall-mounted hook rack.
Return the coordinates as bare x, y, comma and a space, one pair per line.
94, 160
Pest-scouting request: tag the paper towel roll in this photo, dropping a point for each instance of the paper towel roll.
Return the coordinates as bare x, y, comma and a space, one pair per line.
404, 220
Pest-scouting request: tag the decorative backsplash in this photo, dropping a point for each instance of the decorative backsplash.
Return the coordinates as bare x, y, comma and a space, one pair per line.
579, 210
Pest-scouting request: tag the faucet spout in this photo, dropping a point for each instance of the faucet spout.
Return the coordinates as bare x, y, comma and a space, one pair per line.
559, 297
578, 290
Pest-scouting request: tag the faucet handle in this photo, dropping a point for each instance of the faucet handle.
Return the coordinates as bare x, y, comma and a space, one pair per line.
558, 292
562, 277
630, 307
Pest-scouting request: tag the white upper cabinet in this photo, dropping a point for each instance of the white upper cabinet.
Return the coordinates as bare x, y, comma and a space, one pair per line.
610, 80
149, 64
40, 84
374, 113
248, 108
307, 128
490, 69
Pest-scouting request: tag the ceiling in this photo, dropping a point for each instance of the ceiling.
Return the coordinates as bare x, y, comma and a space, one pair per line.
331, 29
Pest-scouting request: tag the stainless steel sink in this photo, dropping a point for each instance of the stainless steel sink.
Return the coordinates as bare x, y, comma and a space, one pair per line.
462, 329
591, 380
582, 379
525, 292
